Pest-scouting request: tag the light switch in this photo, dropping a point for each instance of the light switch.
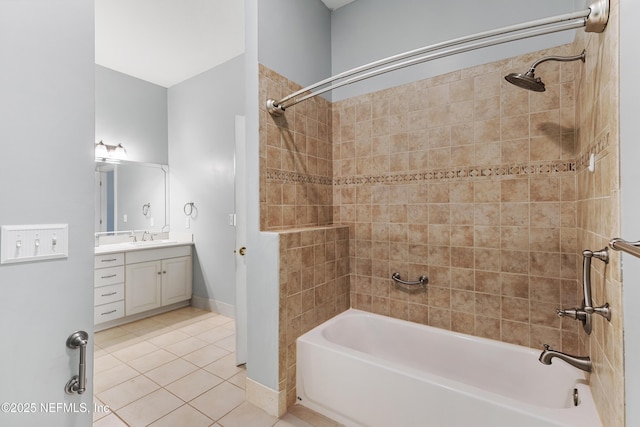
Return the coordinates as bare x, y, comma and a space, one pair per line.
24, 243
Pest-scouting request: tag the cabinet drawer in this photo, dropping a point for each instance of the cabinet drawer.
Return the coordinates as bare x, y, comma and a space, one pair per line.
108, 276
106, 312
107, 294
108, 260
157, 254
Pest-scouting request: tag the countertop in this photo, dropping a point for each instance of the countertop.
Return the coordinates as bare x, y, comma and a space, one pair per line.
139, 246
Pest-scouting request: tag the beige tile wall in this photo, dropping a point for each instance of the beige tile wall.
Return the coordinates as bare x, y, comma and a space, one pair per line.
295, 159
296, 197
477, 184
598, 209
314, 286
470, 181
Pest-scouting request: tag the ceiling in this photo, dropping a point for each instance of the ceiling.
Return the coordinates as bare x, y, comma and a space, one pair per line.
168, 41
335, 4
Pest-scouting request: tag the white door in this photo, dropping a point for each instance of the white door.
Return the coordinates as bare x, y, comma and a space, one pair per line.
241, 240
46, 177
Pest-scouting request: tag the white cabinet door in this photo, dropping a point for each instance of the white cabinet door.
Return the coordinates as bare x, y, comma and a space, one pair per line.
176, 280
143, 287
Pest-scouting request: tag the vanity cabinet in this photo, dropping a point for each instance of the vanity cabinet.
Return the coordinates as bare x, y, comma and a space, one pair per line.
133, 282
156, 278
108, 292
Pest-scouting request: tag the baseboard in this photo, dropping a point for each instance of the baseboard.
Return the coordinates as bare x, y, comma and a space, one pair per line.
214, 306
272, 402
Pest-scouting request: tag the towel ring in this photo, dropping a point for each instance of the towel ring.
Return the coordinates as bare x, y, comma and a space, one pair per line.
145, 208
188, 208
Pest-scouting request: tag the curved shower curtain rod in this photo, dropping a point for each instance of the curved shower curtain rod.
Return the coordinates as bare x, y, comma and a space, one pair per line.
594, 19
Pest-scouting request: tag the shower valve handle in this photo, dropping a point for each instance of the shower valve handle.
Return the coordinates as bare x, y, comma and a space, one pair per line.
572, 313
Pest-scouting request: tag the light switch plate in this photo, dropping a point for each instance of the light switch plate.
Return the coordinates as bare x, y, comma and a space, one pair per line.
25, 243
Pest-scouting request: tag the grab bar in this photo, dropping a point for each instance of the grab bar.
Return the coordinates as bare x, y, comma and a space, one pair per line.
619, 244
587, 256
422, 280
78, 383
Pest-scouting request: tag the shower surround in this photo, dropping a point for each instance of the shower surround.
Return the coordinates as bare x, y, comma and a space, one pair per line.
461, 177
470, 181
598, 208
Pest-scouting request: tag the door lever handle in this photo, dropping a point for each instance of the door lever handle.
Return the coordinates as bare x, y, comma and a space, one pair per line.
78, 383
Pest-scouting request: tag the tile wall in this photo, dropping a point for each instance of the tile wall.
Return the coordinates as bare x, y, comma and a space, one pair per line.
464, 178
295, 159
598, 209
314, 286
470, 181
296, 197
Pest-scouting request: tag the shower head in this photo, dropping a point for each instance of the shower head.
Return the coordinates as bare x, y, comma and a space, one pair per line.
529, 81
526, 81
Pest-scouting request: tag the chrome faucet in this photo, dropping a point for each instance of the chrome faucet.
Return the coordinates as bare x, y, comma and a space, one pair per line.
144, 234
580, 362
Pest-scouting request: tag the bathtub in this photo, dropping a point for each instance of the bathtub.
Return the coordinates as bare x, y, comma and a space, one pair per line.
363, 369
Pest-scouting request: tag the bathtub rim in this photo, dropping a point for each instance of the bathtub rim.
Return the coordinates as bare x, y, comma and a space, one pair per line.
564, 415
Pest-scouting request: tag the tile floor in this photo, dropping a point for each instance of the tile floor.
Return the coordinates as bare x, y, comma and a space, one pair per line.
178, 369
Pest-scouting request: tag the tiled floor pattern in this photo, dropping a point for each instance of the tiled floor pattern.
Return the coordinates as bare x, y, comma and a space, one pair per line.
178, 369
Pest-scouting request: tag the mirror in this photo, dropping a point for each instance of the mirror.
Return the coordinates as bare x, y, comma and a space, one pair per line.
131, 196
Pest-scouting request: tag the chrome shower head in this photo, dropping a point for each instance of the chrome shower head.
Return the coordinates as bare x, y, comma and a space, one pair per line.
526, 81
529, 81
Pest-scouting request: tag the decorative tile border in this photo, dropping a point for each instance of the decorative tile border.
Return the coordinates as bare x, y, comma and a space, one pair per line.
274, 175
471, 172
596, 148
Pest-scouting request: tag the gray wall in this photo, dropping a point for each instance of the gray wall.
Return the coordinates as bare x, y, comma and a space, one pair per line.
295, 39
369, 30
202, 114
132, 112
137, 185
46, 176
262, 257
630, 203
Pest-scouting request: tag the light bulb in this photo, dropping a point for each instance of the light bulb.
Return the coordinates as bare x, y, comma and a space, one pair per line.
101, 150
120, 152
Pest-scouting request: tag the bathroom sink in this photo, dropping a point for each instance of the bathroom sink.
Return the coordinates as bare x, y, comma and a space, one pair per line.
153, 243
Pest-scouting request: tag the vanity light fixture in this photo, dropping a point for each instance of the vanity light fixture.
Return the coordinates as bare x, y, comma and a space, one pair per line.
104, 151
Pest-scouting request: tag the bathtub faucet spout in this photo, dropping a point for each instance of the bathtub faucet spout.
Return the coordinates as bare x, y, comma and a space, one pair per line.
580, 362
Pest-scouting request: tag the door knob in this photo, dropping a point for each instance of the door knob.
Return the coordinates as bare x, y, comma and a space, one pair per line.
242, 251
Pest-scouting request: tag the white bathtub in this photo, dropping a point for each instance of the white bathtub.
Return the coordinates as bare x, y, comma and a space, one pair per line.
363, 369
